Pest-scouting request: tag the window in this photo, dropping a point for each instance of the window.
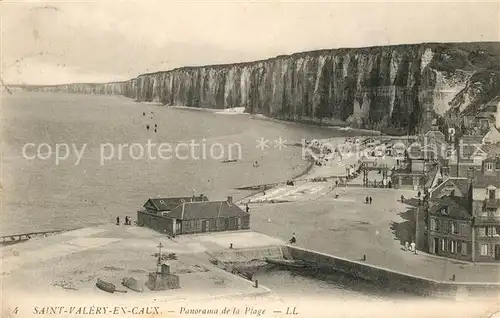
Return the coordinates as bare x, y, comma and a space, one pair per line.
454, 229
484, 249
463, 229
481, 231
433, 225
438, 225
464, 248
490, 231
446, 226
454, 247
444, 245
491, 194
489, 166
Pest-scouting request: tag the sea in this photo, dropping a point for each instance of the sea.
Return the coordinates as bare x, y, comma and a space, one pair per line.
62, 167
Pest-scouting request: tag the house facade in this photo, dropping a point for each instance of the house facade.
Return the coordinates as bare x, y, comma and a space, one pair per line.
449, 227
194, 216
487, 227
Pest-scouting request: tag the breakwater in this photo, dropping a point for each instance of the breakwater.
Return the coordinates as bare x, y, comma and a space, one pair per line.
397, 89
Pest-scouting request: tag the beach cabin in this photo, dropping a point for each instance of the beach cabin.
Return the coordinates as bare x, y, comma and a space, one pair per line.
196, 216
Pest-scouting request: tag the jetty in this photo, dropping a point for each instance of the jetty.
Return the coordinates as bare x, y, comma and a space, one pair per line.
17, 238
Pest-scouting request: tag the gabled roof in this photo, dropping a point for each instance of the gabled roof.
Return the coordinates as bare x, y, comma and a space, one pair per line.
206, 210
458, 184
493, 135
435, 134
167, 204
455, 207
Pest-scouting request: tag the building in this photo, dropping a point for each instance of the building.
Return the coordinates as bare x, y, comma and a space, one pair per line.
481, 120
162, 279
458, 186
449, 227
487, 227
469, 155
192, 216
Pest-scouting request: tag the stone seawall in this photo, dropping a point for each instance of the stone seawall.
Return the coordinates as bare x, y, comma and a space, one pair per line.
384, 277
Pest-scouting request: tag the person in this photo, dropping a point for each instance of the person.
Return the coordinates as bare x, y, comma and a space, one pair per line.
413, 248
370, 200
407, 246
293, 240
367, 200
418, 194
126, 220
402, 198
117, 220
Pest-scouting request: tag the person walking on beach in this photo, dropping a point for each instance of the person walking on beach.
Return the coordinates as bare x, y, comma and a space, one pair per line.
370, 200
117, 220
367, 200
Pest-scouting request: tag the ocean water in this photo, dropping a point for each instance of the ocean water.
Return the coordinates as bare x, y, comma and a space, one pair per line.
44, 194
299, 283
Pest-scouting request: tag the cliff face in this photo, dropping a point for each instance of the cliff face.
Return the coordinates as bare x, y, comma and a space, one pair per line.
398, 89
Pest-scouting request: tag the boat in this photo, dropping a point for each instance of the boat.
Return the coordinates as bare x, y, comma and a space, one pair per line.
229, 160
285, 262
132, 283
107, 287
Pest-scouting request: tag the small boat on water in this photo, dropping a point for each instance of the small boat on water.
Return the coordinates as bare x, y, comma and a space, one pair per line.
229, 160
285, 262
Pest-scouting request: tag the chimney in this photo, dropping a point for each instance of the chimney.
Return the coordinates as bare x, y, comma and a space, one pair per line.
230, 200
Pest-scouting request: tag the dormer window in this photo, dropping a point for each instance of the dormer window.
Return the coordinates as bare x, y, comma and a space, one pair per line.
444, 210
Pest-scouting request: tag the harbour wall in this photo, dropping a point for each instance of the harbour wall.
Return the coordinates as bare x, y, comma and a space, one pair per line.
245, 262
387, 278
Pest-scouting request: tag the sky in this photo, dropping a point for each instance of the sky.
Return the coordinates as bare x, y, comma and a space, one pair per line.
98, 41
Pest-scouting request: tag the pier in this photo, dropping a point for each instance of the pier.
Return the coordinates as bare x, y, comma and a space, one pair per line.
17, 238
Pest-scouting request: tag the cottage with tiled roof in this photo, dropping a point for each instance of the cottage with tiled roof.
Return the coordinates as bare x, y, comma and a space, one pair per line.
194, 216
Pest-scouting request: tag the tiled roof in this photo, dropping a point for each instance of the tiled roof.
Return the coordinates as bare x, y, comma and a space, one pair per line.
206, 210
455, 207
167, 204
462, 184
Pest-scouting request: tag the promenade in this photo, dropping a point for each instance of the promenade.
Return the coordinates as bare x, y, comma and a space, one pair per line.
348, 227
